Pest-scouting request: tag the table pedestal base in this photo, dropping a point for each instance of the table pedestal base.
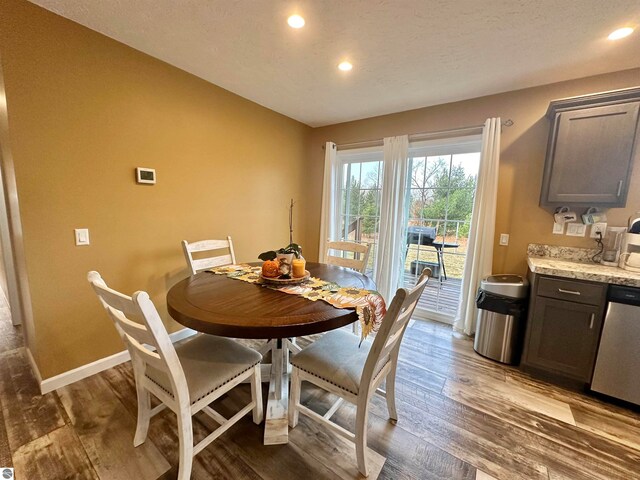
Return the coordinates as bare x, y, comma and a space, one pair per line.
276, 425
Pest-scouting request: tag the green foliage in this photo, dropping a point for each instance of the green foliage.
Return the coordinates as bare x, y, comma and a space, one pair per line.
455, 202
366, 201
443, 193
272, 254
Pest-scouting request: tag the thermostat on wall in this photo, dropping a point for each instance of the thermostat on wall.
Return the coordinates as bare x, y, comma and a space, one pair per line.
145, 175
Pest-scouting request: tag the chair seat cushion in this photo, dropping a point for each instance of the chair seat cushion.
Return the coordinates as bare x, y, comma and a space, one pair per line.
335, 358
208, 363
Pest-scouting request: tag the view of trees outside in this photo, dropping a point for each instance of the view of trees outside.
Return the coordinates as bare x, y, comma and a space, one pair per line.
442, 194
441, 190
360, 207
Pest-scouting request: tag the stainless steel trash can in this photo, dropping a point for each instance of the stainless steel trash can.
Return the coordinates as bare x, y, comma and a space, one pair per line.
501, 303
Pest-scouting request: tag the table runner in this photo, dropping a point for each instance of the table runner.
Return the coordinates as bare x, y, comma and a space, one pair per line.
369, 304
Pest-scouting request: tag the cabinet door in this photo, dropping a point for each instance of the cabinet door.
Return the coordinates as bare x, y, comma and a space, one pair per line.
590, 156
563, 337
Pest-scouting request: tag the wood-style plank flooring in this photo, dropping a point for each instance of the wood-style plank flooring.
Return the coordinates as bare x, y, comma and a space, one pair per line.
460, 417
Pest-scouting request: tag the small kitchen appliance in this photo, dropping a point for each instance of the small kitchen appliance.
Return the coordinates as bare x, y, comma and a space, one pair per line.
612, 244
630, 252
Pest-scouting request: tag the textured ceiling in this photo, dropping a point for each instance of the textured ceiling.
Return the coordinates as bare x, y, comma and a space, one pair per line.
406, 53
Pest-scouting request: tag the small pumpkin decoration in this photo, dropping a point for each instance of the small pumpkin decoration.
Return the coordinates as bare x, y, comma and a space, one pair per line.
271, 269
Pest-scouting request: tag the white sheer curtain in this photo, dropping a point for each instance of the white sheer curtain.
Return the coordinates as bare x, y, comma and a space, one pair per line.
393, 216
329, 200
483, 224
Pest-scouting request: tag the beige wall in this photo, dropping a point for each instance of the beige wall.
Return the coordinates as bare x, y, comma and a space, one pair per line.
521, 162
84, 111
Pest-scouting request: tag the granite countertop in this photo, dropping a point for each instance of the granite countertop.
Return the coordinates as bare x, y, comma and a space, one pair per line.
576, 263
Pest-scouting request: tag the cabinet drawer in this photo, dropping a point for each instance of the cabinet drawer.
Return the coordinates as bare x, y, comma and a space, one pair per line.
589, 293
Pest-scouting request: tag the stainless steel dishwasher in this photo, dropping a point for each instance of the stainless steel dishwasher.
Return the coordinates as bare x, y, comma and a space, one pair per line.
618, 360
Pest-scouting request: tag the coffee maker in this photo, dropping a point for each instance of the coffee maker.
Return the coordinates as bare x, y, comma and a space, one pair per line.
630, 252
612, 246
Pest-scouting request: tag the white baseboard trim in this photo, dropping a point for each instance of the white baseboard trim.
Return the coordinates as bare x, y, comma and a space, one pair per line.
67, 378
435, 316
34, 366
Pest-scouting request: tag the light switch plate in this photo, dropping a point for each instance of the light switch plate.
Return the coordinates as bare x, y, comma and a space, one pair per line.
504, 239
576, 229
558, 228
82, 236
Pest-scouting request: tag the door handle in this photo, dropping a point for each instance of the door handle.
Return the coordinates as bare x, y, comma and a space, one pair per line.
619, 188
593, 319
570, 292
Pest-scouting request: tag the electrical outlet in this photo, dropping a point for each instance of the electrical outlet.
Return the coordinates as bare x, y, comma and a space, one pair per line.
598, 227
558, 228
504, 239
576, 229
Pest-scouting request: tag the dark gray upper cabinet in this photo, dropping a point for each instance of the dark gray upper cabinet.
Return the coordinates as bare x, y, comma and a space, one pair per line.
592, 146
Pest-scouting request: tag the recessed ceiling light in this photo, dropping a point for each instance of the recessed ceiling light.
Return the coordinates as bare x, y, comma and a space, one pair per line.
345, 66
295, 21
620, 33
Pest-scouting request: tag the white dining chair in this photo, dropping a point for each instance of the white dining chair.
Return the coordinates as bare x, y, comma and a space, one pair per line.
186, 378
339, 365
358, 260
199, 264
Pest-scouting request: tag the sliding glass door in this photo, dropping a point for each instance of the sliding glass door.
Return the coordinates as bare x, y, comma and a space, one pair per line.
440, 191
442, 177
359, 198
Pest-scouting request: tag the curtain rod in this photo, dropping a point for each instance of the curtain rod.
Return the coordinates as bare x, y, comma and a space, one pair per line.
417, 136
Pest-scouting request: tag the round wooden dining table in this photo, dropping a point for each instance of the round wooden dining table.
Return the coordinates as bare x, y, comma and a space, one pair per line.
218, 305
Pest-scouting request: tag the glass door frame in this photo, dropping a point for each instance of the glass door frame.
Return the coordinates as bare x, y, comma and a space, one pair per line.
349, 157
430, 148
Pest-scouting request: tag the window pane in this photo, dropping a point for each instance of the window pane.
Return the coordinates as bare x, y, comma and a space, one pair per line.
436, 204
345, 176
370, 171
417, 203
355, 174
460, 204
360, 193
417, 172
353, 198
464, 170
437, 171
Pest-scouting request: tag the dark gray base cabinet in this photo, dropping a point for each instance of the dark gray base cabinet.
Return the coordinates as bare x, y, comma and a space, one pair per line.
563, 327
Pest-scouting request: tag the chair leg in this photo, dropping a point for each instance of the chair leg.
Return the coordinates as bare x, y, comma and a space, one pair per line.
256, 394
390, 388
294, 398
355, 325
144, 415
361, 435
185, 435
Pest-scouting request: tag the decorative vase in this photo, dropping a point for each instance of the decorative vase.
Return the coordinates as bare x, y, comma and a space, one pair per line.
285, 260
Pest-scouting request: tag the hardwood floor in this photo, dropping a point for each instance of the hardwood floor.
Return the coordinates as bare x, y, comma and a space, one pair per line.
460, 417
